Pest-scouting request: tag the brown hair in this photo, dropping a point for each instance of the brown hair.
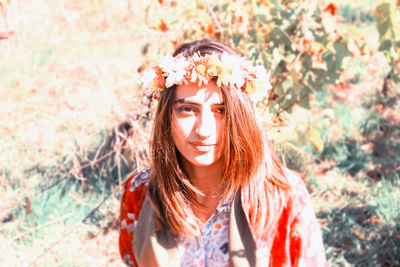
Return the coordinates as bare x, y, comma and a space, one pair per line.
249, 161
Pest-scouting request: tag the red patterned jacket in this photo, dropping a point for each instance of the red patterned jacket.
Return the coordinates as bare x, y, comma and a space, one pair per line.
297, 240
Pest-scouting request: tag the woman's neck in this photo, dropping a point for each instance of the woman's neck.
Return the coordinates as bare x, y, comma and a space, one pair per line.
206, 179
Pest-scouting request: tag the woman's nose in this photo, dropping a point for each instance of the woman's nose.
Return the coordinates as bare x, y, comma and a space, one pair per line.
205, 124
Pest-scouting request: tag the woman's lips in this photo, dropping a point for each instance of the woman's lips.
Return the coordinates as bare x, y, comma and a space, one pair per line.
202, 146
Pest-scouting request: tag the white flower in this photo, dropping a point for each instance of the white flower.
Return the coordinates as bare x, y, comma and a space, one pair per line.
231, 71
258, 86
199, 69
245, 64
167, 63
174, 69
262, 75
175, 78
215, 65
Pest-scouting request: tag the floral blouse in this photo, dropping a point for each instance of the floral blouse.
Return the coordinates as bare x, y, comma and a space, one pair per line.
296, 242
211, 248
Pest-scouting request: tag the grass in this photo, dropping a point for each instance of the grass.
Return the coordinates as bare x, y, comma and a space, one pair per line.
64, 85
364, 231
69, 87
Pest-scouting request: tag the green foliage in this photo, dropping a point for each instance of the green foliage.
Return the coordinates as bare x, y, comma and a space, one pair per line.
387, 18
366, 230
355, 14
343, 113
350, 157
385, 199
66, 193
381, 130
293, 40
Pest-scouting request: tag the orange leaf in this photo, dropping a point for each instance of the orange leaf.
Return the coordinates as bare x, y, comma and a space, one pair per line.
331, 8
315, 139
174, 43
210, 29
163, 26
375, 220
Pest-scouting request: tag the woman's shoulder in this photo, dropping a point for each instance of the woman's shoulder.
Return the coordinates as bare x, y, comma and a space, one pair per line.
298, 193
133, 197
294, 178
131, 204
138, 179
135, 191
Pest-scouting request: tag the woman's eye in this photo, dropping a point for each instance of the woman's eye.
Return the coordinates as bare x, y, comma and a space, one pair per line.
185, 109
221, 110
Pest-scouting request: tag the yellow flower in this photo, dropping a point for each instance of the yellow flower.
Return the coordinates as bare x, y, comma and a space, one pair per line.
256, 90
231, 72
214, 65
201, 69
198, 70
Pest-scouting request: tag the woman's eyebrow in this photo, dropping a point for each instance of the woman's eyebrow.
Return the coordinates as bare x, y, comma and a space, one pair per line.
185, 101
219, 104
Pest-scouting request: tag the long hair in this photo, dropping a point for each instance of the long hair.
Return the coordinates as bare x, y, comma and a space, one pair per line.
250, 167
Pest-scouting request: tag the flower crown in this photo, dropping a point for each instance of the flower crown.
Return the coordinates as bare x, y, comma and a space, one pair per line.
229, 70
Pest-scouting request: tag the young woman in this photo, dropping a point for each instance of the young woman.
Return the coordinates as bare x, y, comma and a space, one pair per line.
216, 195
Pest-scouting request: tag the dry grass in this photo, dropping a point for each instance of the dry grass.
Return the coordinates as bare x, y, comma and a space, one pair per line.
68, 73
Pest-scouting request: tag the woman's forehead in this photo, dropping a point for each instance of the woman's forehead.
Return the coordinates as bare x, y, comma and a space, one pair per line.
209, 93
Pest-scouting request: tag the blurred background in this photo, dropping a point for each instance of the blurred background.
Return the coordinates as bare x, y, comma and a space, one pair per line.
75, 122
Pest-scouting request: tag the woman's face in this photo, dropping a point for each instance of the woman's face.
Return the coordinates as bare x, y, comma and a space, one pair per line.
198, 123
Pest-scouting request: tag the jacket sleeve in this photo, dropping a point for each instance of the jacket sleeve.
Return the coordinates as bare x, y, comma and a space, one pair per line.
306, 245
297, 240
131, 202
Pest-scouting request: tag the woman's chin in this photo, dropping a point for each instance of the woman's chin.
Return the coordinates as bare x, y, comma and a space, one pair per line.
204, 160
